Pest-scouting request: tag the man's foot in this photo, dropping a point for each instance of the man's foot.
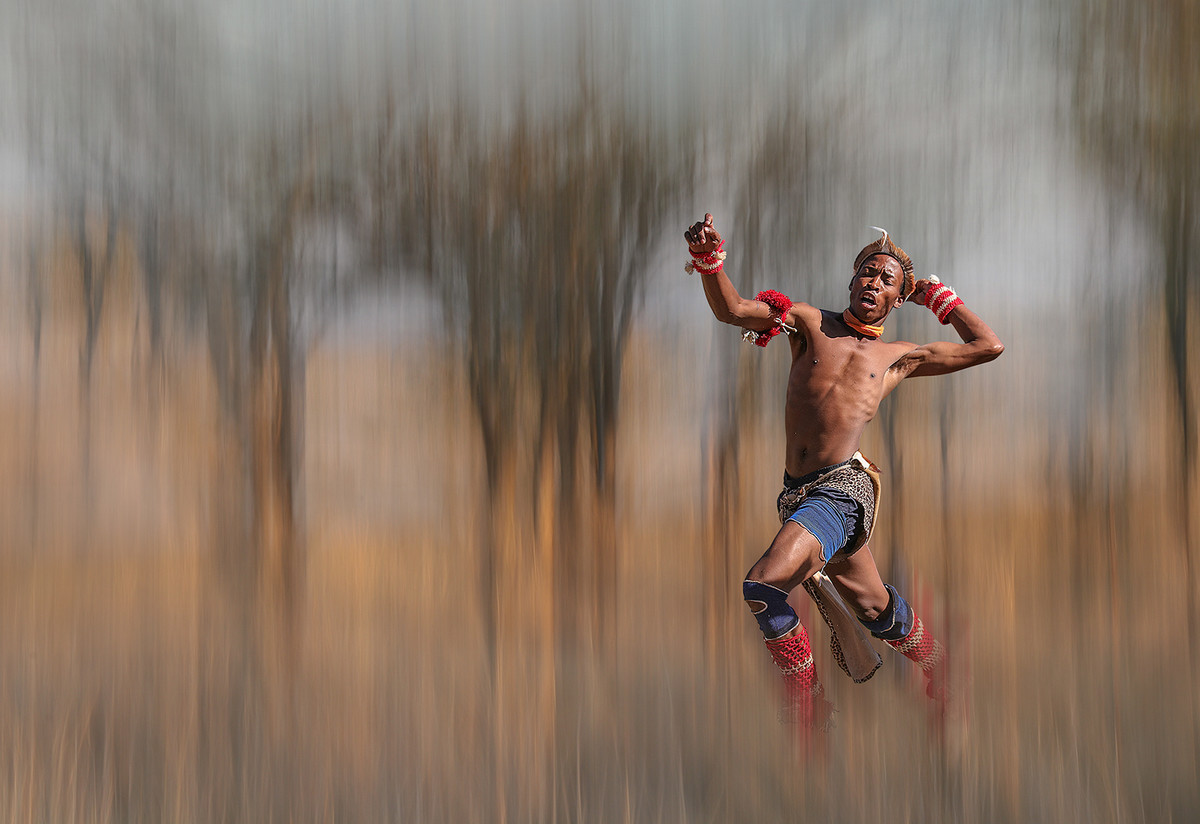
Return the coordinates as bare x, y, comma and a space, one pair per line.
945, 706
808, 719
937, 688
810, 712
947, 689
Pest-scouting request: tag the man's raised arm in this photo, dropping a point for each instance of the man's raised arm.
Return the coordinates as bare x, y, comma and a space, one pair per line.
980, 344
729, 307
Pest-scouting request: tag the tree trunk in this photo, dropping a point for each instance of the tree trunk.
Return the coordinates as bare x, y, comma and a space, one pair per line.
273, 471
524, 663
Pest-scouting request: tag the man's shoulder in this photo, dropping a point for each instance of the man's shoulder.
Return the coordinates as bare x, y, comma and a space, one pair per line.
808, 308
805, 314
810, 312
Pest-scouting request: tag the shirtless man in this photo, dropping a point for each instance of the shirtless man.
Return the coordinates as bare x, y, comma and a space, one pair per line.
841, 371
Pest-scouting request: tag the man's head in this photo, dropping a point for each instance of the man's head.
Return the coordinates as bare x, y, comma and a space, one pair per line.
883, 278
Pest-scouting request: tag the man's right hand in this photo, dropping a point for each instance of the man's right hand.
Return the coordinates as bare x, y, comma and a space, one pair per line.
702, 238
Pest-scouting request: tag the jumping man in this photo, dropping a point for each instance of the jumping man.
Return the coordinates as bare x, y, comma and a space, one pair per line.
841, 371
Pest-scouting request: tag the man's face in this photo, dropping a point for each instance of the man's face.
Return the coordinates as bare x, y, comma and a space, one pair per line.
875, 288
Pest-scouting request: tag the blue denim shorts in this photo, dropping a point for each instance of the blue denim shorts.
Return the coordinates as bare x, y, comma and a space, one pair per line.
831, 516
828, 511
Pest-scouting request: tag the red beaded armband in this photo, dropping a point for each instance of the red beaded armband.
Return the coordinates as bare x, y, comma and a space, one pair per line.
780, 304
942, 300
706, 263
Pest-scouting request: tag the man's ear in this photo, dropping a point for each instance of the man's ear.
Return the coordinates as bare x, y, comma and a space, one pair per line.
899, 301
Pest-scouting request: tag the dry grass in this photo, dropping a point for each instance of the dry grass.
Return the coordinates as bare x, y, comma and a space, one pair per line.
139, 683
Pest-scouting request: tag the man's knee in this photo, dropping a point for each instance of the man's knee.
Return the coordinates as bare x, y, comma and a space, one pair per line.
770, 607
895, 621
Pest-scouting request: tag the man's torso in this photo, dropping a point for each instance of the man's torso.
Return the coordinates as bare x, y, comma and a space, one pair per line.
836, 383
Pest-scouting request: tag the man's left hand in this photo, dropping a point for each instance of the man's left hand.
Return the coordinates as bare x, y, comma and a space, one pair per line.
921, 290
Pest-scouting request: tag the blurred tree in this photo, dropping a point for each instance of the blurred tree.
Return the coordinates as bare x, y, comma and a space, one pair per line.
283, 189
115, 128
225, 204
536, 236
1138, 78
537, 242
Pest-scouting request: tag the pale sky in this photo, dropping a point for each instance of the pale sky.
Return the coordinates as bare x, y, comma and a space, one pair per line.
958, 113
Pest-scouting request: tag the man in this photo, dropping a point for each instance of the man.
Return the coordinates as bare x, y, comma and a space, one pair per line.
841, 371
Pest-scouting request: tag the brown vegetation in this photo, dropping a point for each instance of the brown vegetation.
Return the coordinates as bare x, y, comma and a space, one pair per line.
256, 571
134, 686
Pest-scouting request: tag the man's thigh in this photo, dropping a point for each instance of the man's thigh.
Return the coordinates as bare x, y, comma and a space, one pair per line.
793, 556
858, 582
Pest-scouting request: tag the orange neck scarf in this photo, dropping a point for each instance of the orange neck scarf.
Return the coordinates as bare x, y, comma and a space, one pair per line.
860, 327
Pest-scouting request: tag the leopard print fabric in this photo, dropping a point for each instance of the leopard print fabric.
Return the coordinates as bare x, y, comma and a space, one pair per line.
858, 478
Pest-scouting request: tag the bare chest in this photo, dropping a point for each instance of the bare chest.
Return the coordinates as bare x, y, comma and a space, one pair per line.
847, 370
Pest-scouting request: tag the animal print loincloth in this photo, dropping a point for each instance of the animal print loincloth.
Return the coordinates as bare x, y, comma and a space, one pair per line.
857, 477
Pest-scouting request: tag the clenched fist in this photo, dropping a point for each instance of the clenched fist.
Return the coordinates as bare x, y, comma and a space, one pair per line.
702, 238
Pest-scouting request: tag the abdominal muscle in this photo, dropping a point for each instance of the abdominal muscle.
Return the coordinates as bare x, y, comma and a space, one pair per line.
810, 448
829, 404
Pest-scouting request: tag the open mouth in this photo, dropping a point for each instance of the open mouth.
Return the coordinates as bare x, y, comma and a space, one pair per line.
869, 299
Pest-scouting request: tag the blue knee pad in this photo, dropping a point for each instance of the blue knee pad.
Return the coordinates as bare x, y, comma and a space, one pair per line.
893, 623
770, 607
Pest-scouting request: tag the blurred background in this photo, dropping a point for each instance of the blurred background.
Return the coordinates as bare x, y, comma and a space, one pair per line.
369, 456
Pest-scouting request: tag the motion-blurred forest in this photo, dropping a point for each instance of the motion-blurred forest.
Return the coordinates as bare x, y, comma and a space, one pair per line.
370, 457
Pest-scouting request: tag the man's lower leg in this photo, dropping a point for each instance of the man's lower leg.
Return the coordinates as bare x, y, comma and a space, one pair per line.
904, 632
802, 689
787, 641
